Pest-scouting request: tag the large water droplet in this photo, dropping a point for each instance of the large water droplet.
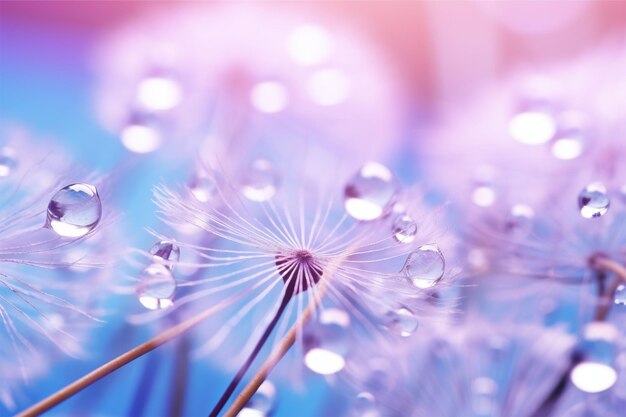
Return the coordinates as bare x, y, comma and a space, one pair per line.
425, 266
368, 194
74, 210
326, 342
165, 250
620, 295
593, 201
203, 188
156, 287
262, 181
404, 229
8, 162
402, 322
262, 403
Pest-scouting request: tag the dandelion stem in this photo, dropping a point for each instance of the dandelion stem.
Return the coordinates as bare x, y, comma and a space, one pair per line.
606, 298
279, 352
124, 359
244, 368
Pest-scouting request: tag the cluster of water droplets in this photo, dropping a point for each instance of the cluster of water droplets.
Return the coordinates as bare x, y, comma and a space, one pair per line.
74, 210
326, 342
156, 284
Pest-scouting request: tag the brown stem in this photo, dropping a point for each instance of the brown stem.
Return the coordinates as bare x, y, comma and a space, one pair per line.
605, 302
279, 352
124, 359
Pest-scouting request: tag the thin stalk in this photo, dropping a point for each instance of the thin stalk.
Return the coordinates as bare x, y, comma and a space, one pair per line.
278, 353
244, 368
181, 363
124, 359
605, 301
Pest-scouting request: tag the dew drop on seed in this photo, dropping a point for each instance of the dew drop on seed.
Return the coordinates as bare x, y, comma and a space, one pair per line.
404, 229
74, 210
261, 182
165, 250
156, 287
369, 192
326, 342
425, 266
8, 163
593, 201
262, 403
620, 295
402, 322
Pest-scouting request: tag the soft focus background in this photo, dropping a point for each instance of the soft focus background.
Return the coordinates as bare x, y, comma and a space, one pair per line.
436, 55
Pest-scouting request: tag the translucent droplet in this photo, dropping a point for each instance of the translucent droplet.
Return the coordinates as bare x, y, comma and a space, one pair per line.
74, 210
593, 201
368, 194
402, 322
620, 295
165, 251
326, 342
269, 97
156, 287
261, 182
484, 392
262, 403
142, 134
404, 229
425, 266
159, 93
203, 188
8, 162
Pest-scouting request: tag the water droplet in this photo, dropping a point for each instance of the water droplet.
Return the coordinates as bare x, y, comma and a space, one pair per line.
156, 287
404, 229
402, 322
593, 201
203, 188
368, 194
326, 342
8, 162
425, 266
142, 134
262, 403
571, 136
484, 196
620, 295
159, 93
165, 251
74, 210
261, 182
534, 124
269, 97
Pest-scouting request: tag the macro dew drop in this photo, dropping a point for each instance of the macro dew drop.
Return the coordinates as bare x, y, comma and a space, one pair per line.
156, 287
425, 266
593, 201
402, 322
365, 405
165, 251
203, 188
404, 229
262, 181
262, 403
74, 210
326, 342
368, 194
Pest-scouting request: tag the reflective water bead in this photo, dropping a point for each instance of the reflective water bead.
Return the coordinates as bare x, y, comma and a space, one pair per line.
425, 266
365, 405
203, 188
262, 181
165, 251
369, 192
404, 229
7, 162
593, 201
620, 295
262, 403
74, 210
326, 342
402, 321
156, 287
